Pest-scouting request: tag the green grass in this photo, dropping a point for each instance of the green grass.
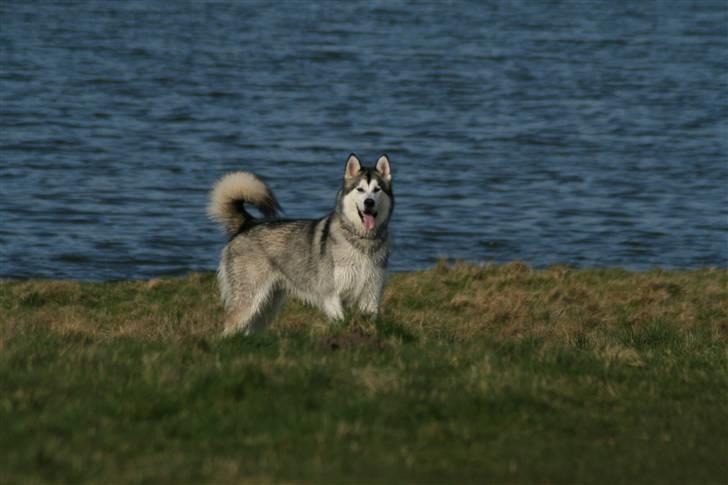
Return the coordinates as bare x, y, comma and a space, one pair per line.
472, 374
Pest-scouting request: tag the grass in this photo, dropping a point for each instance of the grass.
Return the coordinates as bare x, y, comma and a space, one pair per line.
472, 374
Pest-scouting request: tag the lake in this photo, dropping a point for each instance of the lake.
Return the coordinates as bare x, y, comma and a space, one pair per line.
588, 134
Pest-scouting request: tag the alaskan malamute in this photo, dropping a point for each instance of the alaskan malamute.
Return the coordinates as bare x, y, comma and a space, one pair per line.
340, 258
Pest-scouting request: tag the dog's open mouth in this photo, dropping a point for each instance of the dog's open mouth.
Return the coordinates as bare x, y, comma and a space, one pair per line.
368, 218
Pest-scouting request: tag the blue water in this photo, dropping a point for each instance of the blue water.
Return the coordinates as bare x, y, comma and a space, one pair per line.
592, 134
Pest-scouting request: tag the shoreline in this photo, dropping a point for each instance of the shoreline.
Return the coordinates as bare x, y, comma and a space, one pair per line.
446, 262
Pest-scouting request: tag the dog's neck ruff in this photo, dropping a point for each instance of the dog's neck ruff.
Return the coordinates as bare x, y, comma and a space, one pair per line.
374, 244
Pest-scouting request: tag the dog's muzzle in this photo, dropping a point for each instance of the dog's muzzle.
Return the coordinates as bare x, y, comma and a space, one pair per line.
368, 216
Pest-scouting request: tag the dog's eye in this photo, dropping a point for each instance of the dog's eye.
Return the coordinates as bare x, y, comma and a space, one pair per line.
377, 189
359, 189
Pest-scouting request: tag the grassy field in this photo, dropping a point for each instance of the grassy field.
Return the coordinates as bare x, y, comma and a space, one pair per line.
471, 375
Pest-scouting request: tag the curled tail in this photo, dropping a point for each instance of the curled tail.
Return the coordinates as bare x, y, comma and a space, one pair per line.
231, 192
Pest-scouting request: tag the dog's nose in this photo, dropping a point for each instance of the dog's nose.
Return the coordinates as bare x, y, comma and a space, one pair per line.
369, 203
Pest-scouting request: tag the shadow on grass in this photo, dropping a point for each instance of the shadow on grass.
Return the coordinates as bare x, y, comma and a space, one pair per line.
390, 329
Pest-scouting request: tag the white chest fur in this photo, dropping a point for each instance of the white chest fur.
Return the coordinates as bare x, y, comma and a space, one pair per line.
356, 275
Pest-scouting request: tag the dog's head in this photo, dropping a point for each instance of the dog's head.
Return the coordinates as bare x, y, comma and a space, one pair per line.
367, 199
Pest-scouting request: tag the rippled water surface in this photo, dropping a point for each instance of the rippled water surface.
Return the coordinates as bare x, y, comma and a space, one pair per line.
591, 134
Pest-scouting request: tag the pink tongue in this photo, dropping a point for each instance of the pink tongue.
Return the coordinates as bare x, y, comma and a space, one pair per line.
368, 220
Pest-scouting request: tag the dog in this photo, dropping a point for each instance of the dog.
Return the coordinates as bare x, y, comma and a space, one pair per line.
328, 262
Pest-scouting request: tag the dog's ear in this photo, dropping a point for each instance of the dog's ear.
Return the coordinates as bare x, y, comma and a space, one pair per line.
383, 168
353, 167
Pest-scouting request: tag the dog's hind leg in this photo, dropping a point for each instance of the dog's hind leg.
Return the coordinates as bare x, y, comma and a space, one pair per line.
267, 311
238, 319
248, 313
254, 317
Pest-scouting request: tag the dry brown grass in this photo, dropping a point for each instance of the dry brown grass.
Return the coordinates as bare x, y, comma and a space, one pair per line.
453, 301
514, 301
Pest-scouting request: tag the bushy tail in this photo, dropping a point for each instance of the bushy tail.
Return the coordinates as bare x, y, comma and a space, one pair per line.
231, 192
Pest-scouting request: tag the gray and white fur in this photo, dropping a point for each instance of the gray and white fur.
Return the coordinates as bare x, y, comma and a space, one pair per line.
329, 262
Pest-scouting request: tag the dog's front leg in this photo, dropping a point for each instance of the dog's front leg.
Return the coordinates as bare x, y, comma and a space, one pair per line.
369, 300
333, 309
370, 308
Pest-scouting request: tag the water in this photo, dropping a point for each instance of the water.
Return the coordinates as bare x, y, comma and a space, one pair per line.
591, 134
